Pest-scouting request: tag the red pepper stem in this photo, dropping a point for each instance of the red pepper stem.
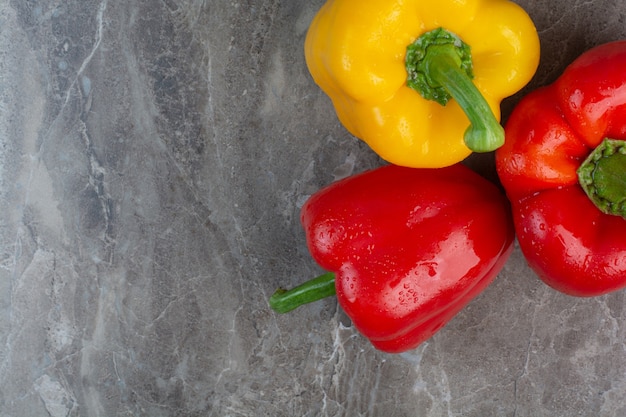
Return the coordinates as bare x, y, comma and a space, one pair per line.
603, 177
439, 67
283, 301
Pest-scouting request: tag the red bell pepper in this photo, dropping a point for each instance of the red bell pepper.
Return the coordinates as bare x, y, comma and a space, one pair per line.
408, 249
566, 180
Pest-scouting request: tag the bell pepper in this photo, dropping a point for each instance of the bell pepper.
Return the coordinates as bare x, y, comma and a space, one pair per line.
564, 169
406, 249
421, 81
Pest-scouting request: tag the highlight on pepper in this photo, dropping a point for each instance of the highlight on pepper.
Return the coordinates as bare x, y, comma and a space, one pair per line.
406, 249
421, 81
564, 169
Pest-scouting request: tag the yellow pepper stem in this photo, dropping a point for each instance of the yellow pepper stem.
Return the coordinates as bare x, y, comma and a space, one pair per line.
439, 67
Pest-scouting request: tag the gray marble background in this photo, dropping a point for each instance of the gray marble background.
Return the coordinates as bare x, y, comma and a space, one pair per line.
154, 155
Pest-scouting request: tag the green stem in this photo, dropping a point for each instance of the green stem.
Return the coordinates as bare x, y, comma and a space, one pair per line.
439, 67
603, 177
283, 301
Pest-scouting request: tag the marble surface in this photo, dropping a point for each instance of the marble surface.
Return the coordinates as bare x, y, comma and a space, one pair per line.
154, 155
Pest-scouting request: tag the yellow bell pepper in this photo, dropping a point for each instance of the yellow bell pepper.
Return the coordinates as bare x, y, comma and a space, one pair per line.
390, 67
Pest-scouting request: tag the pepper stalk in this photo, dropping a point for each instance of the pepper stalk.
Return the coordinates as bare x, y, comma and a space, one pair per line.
603, 177
283, 301
439, 67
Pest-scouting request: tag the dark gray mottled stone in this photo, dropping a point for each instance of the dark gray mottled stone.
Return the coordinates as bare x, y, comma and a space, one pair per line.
154, 156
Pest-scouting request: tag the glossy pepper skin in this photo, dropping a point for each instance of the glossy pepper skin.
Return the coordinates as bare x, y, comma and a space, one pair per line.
568, 240
356, 50
409, 248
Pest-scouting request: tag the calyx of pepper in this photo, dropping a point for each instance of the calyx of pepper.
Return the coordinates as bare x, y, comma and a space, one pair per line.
603, 177
439, 67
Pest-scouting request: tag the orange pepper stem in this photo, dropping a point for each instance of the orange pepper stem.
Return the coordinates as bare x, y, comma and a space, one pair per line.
439, 67
603, 177
283, 301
